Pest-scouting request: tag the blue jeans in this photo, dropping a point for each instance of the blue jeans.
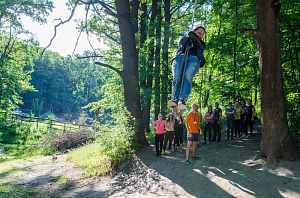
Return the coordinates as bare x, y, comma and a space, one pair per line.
192, 68
229, 128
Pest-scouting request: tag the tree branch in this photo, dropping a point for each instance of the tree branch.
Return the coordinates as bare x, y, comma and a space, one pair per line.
108, 9
252, 32
93, 56
61, 23
109, 67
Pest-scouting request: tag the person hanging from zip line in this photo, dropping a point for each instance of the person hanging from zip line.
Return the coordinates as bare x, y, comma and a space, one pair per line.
185, 65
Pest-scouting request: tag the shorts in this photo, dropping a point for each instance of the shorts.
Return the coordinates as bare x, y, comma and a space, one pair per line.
193, 137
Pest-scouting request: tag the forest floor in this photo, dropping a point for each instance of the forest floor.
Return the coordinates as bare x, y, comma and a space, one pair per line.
225, 169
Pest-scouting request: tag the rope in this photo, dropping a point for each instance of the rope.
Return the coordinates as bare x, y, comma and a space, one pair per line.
179, 75
185, 58
194, 13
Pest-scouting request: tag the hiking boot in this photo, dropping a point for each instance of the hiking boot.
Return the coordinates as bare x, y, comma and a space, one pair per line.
181, 104
163, 152
169, 152
176, 111
172, 103
188, 162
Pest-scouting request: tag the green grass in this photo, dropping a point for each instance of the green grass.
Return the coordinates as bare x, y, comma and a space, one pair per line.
92, 158
24, 140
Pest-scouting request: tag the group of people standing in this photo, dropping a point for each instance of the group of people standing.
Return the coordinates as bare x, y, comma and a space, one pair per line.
237, 120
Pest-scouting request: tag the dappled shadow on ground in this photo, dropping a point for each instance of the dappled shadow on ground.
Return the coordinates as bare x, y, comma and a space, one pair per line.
225, 169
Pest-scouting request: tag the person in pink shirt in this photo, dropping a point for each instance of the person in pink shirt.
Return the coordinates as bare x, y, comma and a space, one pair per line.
159, 125
208, 124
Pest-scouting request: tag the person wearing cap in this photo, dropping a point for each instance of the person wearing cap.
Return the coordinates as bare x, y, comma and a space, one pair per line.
169, 135
230, 120
193, 127
159, 135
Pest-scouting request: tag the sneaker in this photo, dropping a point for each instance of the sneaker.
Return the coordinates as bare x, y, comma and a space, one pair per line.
172, 103
180, 150
174, 150
208, 143
188, 162
169, 152
196, 158
181, 104
163, 152
204, 142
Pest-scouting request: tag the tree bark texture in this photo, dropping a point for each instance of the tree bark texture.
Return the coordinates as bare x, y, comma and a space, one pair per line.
157, 83
149, 83
129, 74
166, 82
276, 140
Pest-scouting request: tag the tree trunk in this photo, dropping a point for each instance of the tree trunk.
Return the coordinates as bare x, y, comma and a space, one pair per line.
166, 83
146, 109
129, 74
157, 60
276, 140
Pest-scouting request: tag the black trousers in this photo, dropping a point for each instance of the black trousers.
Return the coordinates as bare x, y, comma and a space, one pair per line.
217, 131
169, 135
178, 135
208, 127
237, 127
250, 123
159, 141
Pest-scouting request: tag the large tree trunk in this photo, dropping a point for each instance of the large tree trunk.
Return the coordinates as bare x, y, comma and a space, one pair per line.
276, 140
130, 67
149, 84
166, 83
157, 60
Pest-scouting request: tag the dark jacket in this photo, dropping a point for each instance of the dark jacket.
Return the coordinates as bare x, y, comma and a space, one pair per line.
187, 40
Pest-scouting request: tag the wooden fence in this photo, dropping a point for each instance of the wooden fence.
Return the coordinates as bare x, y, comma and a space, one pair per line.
51, 122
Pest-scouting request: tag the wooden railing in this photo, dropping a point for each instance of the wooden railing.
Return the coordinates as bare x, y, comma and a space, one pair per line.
51, 122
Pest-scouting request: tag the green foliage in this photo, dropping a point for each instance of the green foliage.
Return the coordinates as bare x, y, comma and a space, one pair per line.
114, 143
64, 84
16, 55
23, 139
293, 109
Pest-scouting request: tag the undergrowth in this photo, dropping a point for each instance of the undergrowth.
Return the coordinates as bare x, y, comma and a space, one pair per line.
114, 143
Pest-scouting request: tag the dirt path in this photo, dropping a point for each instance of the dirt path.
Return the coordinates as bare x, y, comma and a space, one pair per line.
225, 170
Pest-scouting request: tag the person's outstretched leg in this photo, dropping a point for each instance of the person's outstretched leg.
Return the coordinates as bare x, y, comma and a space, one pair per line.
192, 69
176, 67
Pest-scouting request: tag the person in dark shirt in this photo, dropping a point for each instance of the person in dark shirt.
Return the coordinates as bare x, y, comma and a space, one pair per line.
217, 123
249, 118
243, 115
230, 120
195, 59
